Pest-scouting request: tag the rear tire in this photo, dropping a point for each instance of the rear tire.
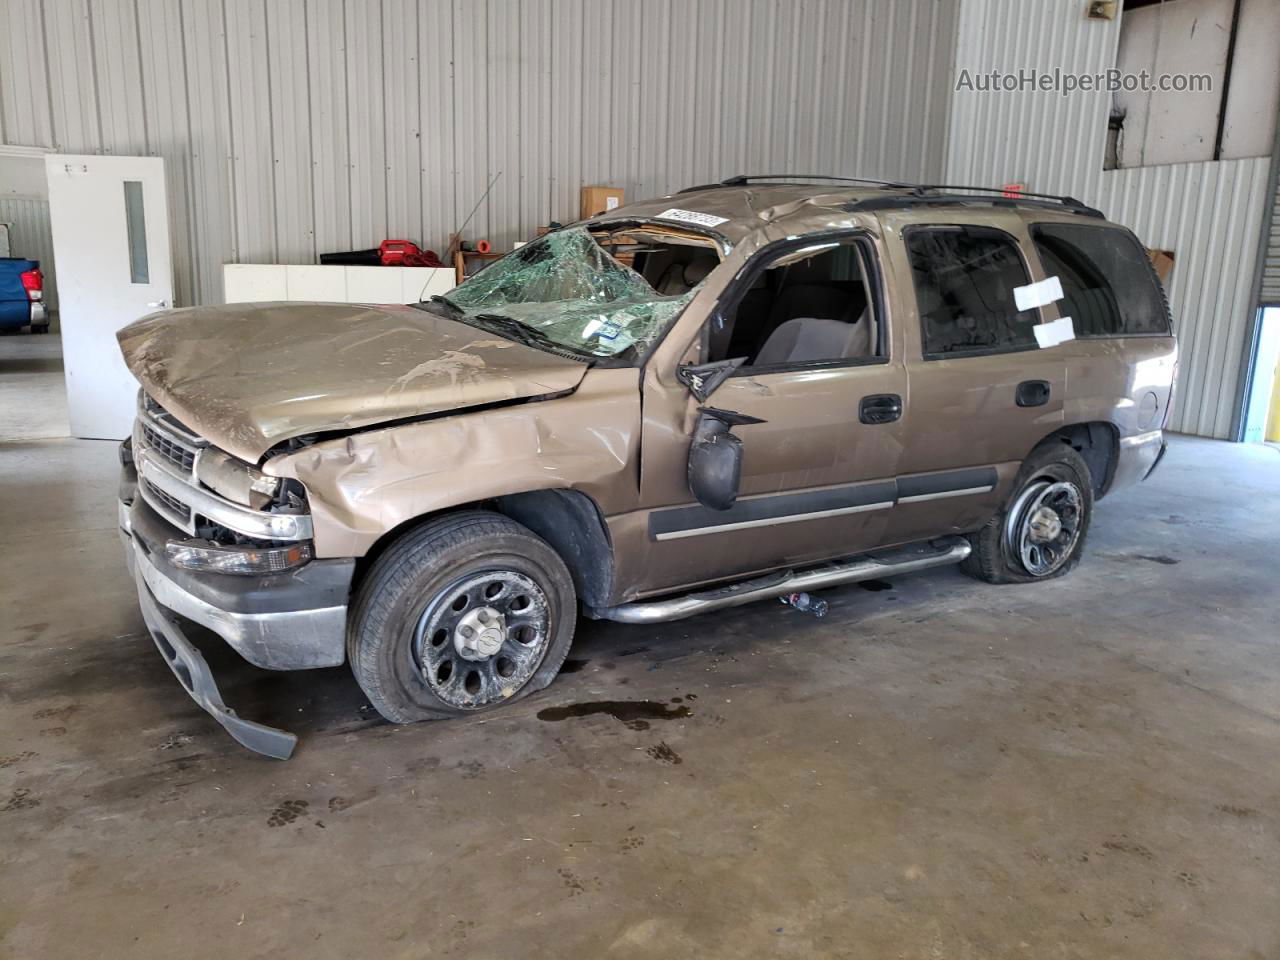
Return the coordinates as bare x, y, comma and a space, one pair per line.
460, 615
39, 328
1041, 531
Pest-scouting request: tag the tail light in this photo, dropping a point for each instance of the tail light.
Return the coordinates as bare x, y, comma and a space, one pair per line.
33, 283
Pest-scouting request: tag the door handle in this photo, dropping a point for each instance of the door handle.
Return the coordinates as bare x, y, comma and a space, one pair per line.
880, 408
158, 303
1033, 393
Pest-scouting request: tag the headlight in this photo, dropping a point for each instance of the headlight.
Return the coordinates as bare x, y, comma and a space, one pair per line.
215, 558
235, 479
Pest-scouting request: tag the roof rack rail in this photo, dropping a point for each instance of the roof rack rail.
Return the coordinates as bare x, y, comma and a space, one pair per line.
920, 194
925, 194
742, 179
1008, 194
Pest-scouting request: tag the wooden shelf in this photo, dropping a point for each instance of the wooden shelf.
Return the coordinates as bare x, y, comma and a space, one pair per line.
460, 258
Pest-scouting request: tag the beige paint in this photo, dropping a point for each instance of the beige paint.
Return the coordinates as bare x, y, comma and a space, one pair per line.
620, 435
248, 376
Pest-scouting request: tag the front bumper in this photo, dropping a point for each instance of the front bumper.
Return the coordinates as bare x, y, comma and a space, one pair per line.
285, 621
189, 666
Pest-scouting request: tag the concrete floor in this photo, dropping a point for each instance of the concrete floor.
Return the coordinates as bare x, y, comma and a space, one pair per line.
33, 393
939, 769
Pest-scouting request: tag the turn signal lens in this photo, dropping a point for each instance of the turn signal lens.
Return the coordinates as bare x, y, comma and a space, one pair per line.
247, 561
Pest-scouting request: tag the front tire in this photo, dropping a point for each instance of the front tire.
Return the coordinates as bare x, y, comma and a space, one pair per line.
460, 615
1040, 534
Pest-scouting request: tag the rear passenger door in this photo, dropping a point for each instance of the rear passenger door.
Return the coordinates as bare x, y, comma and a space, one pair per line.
981, 393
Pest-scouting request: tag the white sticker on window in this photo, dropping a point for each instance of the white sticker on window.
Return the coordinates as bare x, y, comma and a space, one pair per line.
1038, 294
1052, 334
692, 216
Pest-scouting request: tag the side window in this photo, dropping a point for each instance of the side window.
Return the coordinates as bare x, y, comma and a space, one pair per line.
1108, 284
809, 303
964, 279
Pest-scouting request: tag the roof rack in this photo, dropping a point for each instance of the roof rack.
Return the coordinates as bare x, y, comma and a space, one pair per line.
742, 179
919, 194
924, 194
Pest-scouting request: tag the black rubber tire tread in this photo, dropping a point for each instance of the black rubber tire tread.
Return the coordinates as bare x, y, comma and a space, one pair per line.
990, 560
392, 595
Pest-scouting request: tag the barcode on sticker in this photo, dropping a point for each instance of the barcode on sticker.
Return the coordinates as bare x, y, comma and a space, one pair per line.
692, 216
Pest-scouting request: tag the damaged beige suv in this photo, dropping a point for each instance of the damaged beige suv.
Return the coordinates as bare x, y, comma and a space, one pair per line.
741, 391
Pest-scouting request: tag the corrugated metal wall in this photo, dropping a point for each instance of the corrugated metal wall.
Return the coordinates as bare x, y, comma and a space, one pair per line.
1209, 214
294, 127
31, 237
1271, 263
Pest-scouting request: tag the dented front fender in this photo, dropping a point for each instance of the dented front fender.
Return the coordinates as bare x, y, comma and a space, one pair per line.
364, 485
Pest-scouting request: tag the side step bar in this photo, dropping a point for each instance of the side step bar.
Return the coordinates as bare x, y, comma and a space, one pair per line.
936, 553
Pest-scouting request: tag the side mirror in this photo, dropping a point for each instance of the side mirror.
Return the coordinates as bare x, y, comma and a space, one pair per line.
715, 458
703, 379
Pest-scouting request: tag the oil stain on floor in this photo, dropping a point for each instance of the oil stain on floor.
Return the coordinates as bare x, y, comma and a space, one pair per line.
635, 714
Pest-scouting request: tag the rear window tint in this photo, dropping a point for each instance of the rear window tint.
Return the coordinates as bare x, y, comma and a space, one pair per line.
1108, 284
964, 279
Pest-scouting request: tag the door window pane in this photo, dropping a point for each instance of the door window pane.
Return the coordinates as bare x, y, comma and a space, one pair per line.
136, 228
810, 304
1109, 287
964, 279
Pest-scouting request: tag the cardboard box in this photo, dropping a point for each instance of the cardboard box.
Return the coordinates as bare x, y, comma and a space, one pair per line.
600, 200
1162, 260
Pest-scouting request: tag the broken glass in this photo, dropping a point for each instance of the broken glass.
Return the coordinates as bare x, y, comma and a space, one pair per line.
565, 291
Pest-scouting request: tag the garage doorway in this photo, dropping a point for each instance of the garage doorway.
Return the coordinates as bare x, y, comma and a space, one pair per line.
1262, 410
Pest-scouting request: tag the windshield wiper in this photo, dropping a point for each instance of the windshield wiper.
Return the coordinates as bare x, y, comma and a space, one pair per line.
453, 308
530, 336
520, 331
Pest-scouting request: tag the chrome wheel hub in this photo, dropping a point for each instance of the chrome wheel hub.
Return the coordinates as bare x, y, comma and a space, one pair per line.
482, 638
480, 633
1043, 525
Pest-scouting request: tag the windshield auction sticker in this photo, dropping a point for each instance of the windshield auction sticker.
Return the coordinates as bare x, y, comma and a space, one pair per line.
692, 216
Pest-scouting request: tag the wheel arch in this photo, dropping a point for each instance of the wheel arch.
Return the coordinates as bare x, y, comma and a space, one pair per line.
1097, 442
569, 520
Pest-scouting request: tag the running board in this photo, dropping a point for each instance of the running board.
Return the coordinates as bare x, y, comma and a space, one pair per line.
935, 553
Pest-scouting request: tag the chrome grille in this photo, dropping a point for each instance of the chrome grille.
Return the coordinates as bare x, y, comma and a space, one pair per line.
182, 457
176, 508
168, 454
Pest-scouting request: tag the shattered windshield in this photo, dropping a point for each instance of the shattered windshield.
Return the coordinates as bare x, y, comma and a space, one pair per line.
564, 292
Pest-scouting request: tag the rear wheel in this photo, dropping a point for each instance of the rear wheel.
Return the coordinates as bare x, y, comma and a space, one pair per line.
1041, 532
461, 615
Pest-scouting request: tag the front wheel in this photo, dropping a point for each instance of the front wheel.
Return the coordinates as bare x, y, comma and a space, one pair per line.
1041, 532
462, 614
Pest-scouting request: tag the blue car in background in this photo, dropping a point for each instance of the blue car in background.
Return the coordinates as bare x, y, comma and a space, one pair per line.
22, 295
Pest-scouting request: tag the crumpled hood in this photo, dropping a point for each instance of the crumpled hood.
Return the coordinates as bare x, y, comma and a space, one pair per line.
247, 376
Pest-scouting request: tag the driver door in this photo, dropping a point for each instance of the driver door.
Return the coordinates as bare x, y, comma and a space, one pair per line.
818, 471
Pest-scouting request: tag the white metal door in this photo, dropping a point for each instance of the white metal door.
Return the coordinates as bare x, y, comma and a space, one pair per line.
110, 221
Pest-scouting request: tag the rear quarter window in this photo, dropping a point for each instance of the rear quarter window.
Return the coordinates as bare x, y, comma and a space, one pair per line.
1108, 284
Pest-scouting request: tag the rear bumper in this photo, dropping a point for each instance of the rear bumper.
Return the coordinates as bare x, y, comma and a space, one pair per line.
1138, 456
